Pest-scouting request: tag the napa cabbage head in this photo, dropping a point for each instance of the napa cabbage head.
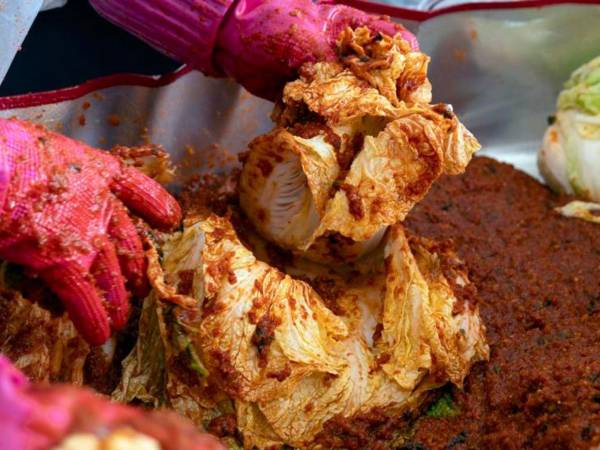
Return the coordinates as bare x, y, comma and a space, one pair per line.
569, 158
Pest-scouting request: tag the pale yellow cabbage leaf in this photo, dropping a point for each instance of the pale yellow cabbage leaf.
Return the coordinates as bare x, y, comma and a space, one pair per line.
394, 171
587, 211
419, 309
286, 184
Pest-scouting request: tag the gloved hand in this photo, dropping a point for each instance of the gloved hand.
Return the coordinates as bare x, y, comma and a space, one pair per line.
40, 417
259, 43
61, 216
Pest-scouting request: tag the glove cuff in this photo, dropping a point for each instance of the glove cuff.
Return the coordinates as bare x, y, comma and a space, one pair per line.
4, 180
185, 30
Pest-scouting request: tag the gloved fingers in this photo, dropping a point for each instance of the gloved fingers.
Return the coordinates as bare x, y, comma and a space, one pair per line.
109, 280
81, 299
25, 253
147, 198
340, 17
130, 251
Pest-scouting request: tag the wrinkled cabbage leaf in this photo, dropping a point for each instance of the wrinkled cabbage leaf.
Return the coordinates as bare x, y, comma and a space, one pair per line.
43, 344
581, 210
269, 342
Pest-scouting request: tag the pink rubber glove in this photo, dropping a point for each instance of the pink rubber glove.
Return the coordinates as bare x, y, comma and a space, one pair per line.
259, 43
61, 216
39, 417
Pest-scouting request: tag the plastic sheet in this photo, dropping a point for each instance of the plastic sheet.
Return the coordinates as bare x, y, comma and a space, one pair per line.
16, 17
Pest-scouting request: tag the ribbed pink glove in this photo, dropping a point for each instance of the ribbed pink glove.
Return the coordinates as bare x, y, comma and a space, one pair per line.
39, 417
61, 216
259, 43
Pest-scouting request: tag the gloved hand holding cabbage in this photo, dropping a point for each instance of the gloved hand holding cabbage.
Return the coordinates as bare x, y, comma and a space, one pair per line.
356, 146
259, 43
